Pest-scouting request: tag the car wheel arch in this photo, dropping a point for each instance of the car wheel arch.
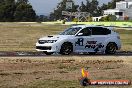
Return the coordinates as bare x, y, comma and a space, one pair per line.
67, 42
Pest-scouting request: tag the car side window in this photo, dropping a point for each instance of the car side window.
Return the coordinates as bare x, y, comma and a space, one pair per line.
100, 31
85, 32
106, 31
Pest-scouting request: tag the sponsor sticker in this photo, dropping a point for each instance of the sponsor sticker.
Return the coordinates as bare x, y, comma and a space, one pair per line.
85, 81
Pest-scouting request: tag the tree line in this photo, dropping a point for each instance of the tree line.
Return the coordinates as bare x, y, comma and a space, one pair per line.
16, 10
22, 10
91, 6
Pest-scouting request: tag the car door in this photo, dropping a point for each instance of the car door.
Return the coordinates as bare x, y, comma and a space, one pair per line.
99, 35
81, 40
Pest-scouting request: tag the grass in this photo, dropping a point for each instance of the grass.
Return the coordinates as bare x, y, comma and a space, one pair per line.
53, 84
55, 72
64, 84
126, 38
41, 73
110, 23
23, 36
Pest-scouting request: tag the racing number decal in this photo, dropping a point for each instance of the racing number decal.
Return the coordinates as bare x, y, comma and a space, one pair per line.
89, 44
79, 42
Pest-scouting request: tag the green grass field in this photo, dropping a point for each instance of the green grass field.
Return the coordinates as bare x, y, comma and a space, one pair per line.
114, 23
23, 36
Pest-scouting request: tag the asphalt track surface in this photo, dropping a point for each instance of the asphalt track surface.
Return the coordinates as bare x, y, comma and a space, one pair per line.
41, 54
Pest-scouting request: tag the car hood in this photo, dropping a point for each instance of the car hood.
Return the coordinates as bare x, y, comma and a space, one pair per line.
56, 37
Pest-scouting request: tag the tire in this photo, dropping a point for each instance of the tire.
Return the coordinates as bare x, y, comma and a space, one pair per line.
111, 48
66, 49
92, 53
48, 53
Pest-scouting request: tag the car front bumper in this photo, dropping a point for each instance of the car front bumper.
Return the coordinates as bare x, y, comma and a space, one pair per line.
48, 47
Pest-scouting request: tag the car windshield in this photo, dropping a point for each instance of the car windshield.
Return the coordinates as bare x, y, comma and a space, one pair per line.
71, 31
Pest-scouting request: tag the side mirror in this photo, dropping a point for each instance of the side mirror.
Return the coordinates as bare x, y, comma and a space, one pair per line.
80, 34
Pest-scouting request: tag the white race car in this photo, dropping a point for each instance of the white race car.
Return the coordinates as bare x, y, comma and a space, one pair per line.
81, 39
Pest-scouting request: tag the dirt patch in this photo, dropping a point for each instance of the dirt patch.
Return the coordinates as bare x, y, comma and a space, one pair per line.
31, 72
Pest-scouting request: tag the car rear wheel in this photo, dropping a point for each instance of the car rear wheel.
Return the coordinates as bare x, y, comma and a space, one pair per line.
66, 49
48, 53
111, 48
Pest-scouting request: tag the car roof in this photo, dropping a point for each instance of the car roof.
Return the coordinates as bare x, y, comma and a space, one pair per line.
83, 26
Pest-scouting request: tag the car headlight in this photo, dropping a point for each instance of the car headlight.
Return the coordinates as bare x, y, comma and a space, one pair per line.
46, 41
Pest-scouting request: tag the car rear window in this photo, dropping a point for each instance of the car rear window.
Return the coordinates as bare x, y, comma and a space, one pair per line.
100, 31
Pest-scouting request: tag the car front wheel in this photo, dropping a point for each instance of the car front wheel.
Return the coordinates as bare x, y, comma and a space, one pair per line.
66, 49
